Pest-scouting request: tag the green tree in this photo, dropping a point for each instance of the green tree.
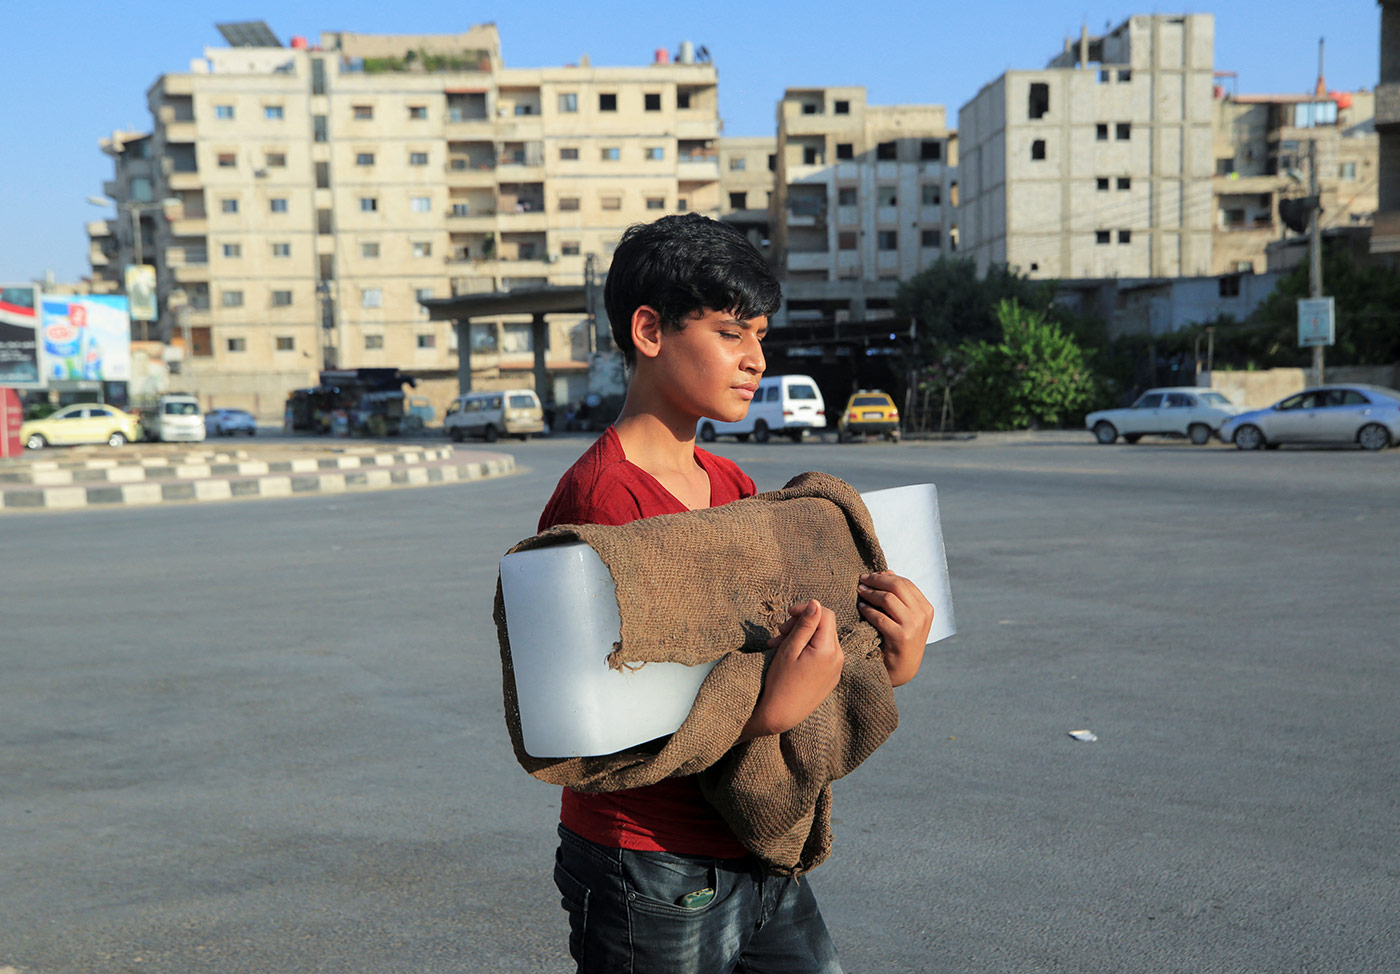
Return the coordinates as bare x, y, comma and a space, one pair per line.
1034, 375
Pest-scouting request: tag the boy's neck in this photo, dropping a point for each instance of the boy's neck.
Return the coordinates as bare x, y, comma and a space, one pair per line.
653, 434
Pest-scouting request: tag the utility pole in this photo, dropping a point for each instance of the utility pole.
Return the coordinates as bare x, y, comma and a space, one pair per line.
1315, 252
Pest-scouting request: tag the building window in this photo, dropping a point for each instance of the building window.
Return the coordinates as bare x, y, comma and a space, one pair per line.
524, 108
772, 162
1229, 287
227, 160
1103, 236
1101, 184
845, 150
373, 342
811, 108
422, 248
286, 343
1124, 182
611, 202
682, 99
277, 205
568, 102
364, 158
369, 251
651, 101
1101, 132
1346, 170
364, 112
1125, 75
1223, 167
1104, 76
417, 111
371, 297
281, 250
277, 160
281, 299
738, 201
237, 344
846, 240
737, 163
931, 151
682, 205
232, 299
233, 250
811, 156
417, 158
318, 126
369, 204
427, 341
656, 202
842, 108
846, 196
228, 206
1040, 100
460, 209
611, 153
223, 111
887, 151
886, 196
931, 194
272, 113
931, 238
1234, 218
1038, 149
656, 153
888, 240
607, 102
568, 204
568, 153
421, 294
1123, 131
569, 248
1125, 236
420, 204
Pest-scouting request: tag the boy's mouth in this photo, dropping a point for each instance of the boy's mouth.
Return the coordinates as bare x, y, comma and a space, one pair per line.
745, 392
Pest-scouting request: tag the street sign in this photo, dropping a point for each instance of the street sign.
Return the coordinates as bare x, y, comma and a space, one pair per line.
1316, 322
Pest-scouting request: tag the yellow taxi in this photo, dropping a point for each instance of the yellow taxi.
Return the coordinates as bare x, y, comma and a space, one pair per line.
83, 422
868, 411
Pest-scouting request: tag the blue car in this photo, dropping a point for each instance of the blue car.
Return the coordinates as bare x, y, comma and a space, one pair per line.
1366, 415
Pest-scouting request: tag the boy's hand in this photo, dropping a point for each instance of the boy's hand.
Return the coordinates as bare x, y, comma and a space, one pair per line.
895, 606
803, 672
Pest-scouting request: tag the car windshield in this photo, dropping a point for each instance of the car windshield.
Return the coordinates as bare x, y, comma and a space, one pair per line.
1214, 399
801, 392
870, 401
181, 409
522, 402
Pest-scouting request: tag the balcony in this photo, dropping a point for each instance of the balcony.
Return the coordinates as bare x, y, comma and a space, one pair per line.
469, 129
810, 260
191, 273
474, 220
1235, 183
481, 175
697, 169
190, 226
523, 221
697, 128
178, 132
183, 180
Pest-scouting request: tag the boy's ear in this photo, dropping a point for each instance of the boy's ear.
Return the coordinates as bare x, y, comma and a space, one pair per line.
646, 331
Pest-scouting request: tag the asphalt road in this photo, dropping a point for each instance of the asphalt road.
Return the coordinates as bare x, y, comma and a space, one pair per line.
266, 736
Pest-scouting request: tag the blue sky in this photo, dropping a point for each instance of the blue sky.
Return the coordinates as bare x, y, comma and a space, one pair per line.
72, 72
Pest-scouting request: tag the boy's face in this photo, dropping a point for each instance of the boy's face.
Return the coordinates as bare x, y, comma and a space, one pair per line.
711, 367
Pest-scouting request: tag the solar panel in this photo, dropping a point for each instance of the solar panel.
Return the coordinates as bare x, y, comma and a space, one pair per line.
249, 33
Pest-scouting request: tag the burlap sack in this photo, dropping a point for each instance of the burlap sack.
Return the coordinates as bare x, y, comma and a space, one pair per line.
715, 584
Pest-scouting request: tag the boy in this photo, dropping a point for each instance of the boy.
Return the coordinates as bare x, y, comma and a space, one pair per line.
652, 878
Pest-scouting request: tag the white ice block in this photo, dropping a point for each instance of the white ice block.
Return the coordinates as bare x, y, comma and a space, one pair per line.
561, 612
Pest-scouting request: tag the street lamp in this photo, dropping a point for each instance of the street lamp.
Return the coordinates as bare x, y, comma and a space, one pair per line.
134, 209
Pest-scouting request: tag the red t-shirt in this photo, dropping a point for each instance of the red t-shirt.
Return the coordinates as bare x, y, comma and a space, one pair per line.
604, 487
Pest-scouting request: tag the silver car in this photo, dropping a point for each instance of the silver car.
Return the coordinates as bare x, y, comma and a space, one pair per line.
1353, 413
1189, 411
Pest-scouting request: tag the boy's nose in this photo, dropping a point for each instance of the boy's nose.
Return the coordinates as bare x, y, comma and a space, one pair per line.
754, 361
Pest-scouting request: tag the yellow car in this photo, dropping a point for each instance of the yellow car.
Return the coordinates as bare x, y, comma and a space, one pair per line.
868, 411
84, 422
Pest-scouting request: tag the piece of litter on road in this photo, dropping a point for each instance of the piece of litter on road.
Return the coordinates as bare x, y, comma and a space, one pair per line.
1084, 735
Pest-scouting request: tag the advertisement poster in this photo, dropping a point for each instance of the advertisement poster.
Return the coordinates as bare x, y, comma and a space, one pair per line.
87, 336
141, 291
20, 349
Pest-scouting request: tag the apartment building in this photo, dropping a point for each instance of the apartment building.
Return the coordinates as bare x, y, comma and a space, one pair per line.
860, 191
1265, 149
326, 190
747, 166
1100, 164
1385, 235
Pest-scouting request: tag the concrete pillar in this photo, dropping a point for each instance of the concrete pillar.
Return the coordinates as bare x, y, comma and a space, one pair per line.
464, 355
539, 340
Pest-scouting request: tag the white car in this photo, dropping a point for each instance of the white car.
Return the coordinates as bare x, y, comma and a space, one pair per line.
1194, 413
227, 422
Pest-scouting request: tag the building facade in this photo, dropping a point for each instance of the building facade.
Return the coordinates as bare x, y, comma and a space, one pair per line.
1385, 238
326, 190
1100, 164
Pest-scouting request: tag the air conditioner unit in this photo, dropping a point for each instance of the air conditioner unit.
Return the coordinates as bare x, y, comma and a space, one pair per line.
551, 258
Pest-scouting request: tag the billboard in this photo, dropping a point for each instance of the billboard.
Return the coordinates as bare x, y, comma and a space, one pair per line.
141, 291
20, 348
87, 336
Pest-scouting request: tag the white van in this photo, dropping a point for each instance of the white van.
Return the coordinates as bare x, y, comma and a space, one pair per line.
789, 405
175, 417
491, 415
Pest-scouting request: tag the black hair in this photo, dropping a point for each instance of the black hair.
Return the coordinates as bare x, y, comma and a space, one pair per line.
681, 265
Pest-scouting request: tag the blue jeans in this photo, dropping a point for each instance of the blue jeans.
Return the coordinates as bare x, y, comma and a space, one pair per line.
629, 913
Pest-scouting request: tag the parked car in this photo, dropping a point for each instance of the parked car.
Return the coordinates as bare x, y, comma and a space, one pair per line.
868, 411
1188, 411
1354, 413
227, 422
175, 417
84, 422
490, 415
789, 405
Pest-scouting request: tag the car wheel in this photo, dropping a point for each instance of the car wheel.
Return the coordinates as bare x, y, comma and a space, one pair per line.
457, 435
117, 439
490, 434
36, 442
1105, 432
1199, 434
1373, 436
252, 431
760, 431
796, 435
1249, 437
707, 432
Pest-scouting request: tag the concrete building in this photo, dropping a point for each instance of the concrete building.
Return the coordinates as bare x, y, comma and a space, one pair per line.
1385, 235
326, 190
747, 167
861, 192
1099, 165
1265, 146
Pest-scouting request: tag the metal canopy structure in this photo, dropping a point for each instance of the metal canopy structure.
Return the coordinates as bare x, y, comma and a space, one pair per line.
249, 33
